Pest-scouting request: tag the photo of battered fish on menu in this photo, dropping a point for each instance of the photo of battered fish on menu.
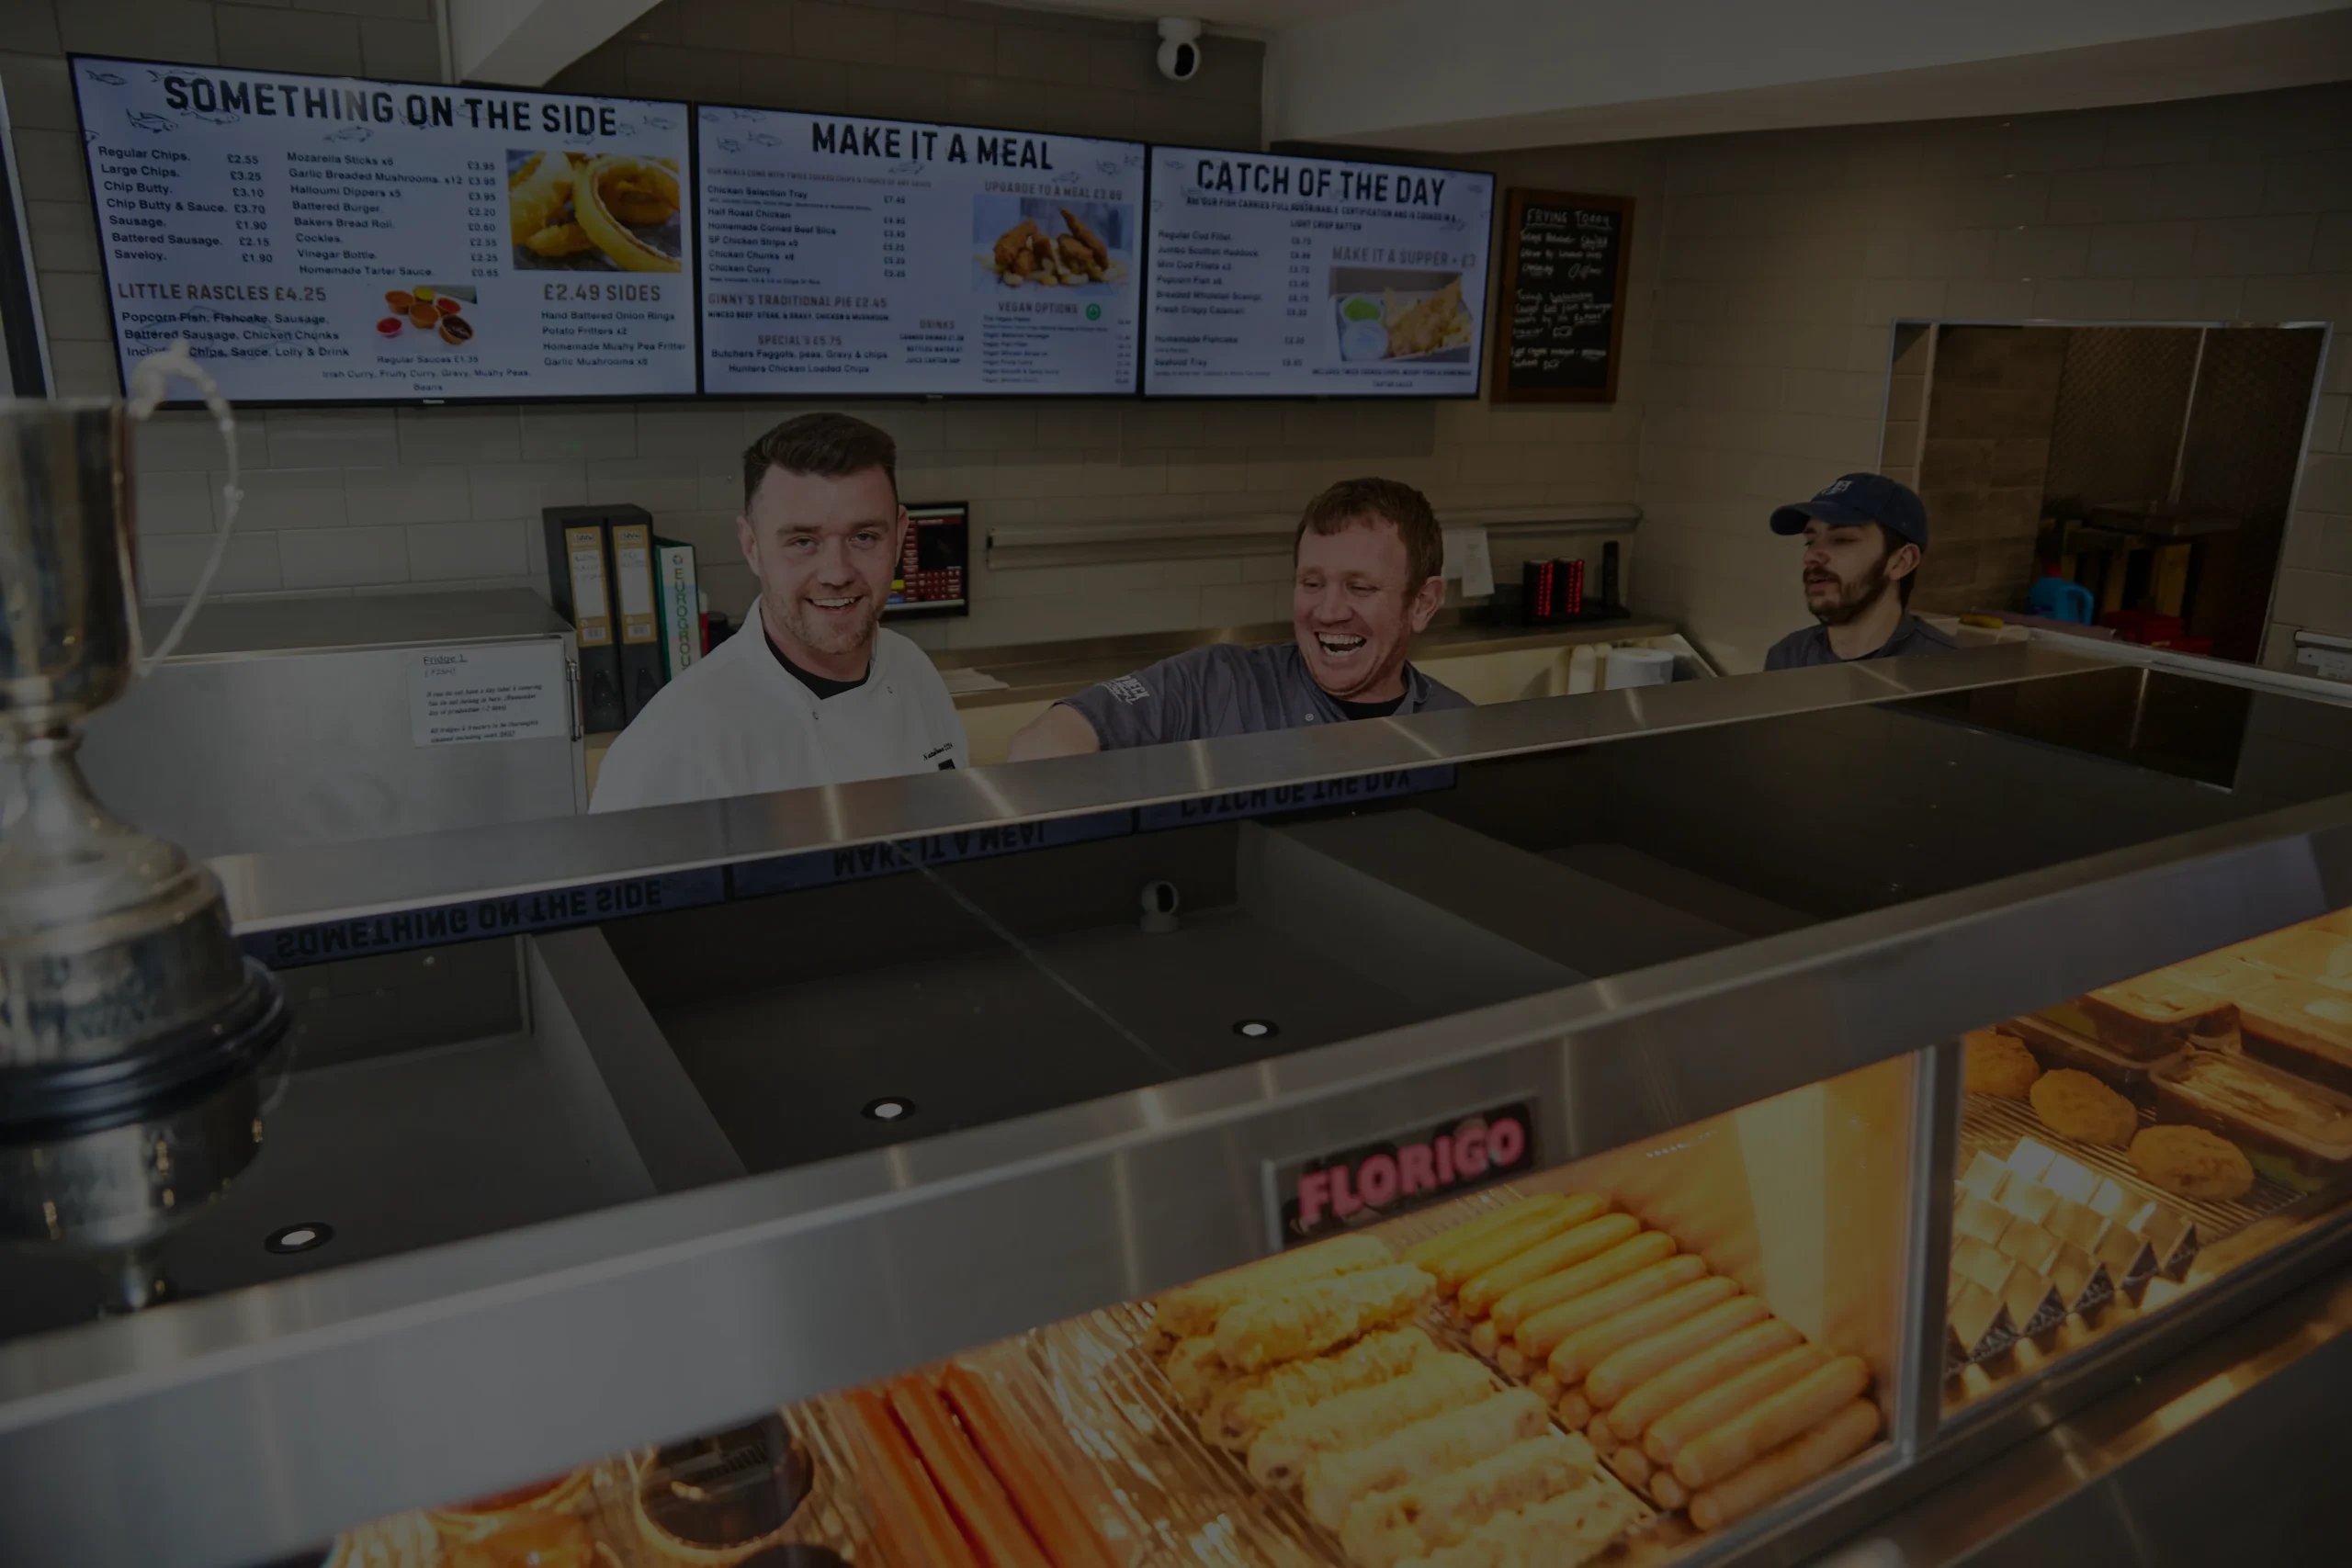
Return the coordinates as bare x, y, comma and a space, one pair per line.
323, 239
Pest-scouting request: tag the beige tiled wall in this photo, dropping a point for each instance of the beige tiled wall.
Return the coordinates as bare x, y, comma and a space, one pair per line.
1787, 257
1767, 271
345, 500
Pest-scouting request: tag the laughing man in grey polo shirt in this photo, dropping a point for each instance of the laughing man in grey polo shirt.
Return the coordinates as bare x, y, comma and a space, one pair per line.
1367, 555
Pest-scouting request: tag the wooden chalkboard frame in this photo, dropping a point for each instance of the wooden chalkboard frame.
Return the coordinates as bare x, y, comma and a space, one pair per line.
1506, 298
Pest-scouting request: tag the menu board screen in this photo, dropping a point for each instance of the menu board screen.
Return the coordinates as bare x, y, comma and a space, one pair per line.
323, 238
1275, 276
888, 257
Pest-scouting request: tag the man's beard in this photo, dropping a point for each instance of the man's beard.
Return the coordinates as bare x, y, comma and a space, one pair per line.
1853, 598
830, 636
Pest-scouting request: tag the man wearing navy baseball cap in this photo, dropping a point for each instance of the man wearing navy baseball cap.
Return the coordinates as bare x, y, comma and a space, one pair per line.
1864, 535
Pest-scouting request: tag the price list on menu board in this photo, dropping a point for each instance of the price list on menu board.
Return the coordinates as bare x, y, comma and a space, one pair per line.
319, 239
890, 257
1561, 321
1279, 276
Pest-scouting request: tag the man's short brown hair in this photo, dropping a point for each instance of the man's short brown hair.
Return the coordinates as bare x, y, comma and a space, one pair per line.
830, 446
1349, 502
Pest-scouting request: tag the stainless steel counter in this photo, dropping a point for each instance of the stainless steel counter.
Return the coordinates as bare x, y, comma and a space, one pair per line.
1050, 672
1815, 870
310, 886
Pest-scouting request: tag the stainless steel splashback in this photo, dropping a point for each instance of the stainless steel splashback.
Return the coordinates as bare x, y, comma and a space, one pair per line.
281, 723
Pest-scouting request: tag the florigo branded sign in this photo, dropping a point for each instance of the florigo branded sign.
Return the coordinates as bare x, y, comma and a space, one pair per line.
1318, 1196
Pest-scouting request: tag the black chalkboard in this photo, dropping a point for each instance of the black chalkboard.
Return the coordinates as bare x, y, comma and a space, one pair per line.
1560, 314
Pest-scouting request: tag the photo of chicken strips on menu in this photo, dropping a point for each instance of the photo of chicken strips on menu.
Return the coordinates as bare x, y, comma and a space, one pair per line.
1046, 242
580, 211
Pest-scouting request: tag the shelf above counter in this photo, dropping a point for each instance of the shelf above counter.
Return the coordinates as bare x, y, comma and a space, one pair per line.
1014, 546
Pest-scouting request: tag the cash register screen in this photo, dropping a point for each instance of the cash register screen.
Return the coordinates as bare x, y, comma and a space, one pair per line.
934, 577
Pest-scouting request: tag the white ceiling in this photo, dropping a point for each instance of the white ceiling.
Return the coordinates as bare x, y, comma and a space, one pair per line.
1484, 75
1259, 18
1475, 76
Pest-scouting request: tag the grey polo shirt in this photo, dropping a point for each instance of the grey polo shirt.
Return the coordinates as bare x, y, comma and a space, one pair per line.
1226, 690
1800, 650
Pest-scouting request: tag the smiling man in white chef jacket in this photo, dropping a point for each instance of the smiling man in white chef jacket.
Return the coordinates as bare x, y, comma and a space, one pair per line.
811, 691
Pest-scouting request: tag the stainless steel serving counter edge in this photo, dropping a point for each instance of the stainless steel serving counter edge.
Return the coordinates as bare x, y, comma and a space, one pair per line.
299, 888
225, 1431
259, 1420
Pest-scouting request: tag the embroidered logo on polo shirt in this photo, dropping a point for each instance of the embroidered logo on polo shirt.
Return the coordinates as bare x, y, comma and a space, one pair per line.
1128, 689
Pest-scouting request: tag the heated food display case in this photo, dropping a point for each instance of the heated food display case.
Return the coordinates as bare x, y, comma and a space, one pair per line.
1896, 1111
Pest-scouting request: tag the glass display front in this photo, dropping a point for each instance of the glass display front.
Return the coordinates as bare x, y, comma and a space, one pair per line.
1636, 1350
2124, 1149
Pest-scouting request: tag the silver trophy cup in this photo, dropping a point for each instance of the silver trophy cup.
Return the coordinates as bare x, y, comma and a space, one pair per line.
135, 1036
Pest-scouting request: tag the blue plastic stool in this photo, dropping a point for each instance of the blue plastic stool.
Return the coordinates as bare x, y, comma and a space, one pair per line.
2055, 598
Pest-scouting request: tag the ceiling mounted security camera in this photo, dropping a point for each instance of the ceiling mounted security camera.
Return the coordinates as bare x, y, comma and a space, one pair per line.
1180, 47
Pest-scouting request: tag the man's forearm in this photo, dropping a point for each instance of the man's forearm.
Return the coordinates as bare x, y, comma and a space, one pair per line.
1060, 731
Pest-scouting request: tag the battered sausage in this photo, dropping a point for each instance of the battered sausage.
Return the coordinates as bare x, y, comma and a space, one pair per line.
1667, 1491
1574, 1410
1366, 1415
1197, 1372
1271, 1327
1425, 1448
1664, 1439
1766, 1424
1564, 1250
1793, 1464
1576, 1356
1626, 1370
1533, 1315
1194, 1309
1631, 1415
1568, 1530
1243, 1409
1388, 1527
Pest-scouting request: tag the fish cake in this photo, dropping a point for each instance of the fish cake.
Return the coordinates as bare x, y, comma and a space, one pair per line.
2000, 1063
2076, 1105
2192, 1162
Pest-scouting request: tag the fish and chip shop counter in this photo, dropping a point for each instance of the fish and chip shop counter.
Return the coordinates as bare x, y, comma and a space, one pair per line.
818, 1178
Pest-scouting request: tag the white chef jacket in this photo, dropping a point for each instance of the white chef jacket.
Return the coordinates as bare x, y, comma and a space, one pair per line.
737, 723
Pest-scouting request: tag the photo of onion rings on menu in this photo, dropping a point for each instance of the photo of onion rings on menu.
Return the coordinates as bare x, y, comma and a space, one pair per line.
584, 212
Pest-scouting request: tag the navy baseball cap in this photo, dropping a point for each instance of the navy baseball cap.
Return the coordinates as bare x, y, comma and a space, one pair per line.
1857, 498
